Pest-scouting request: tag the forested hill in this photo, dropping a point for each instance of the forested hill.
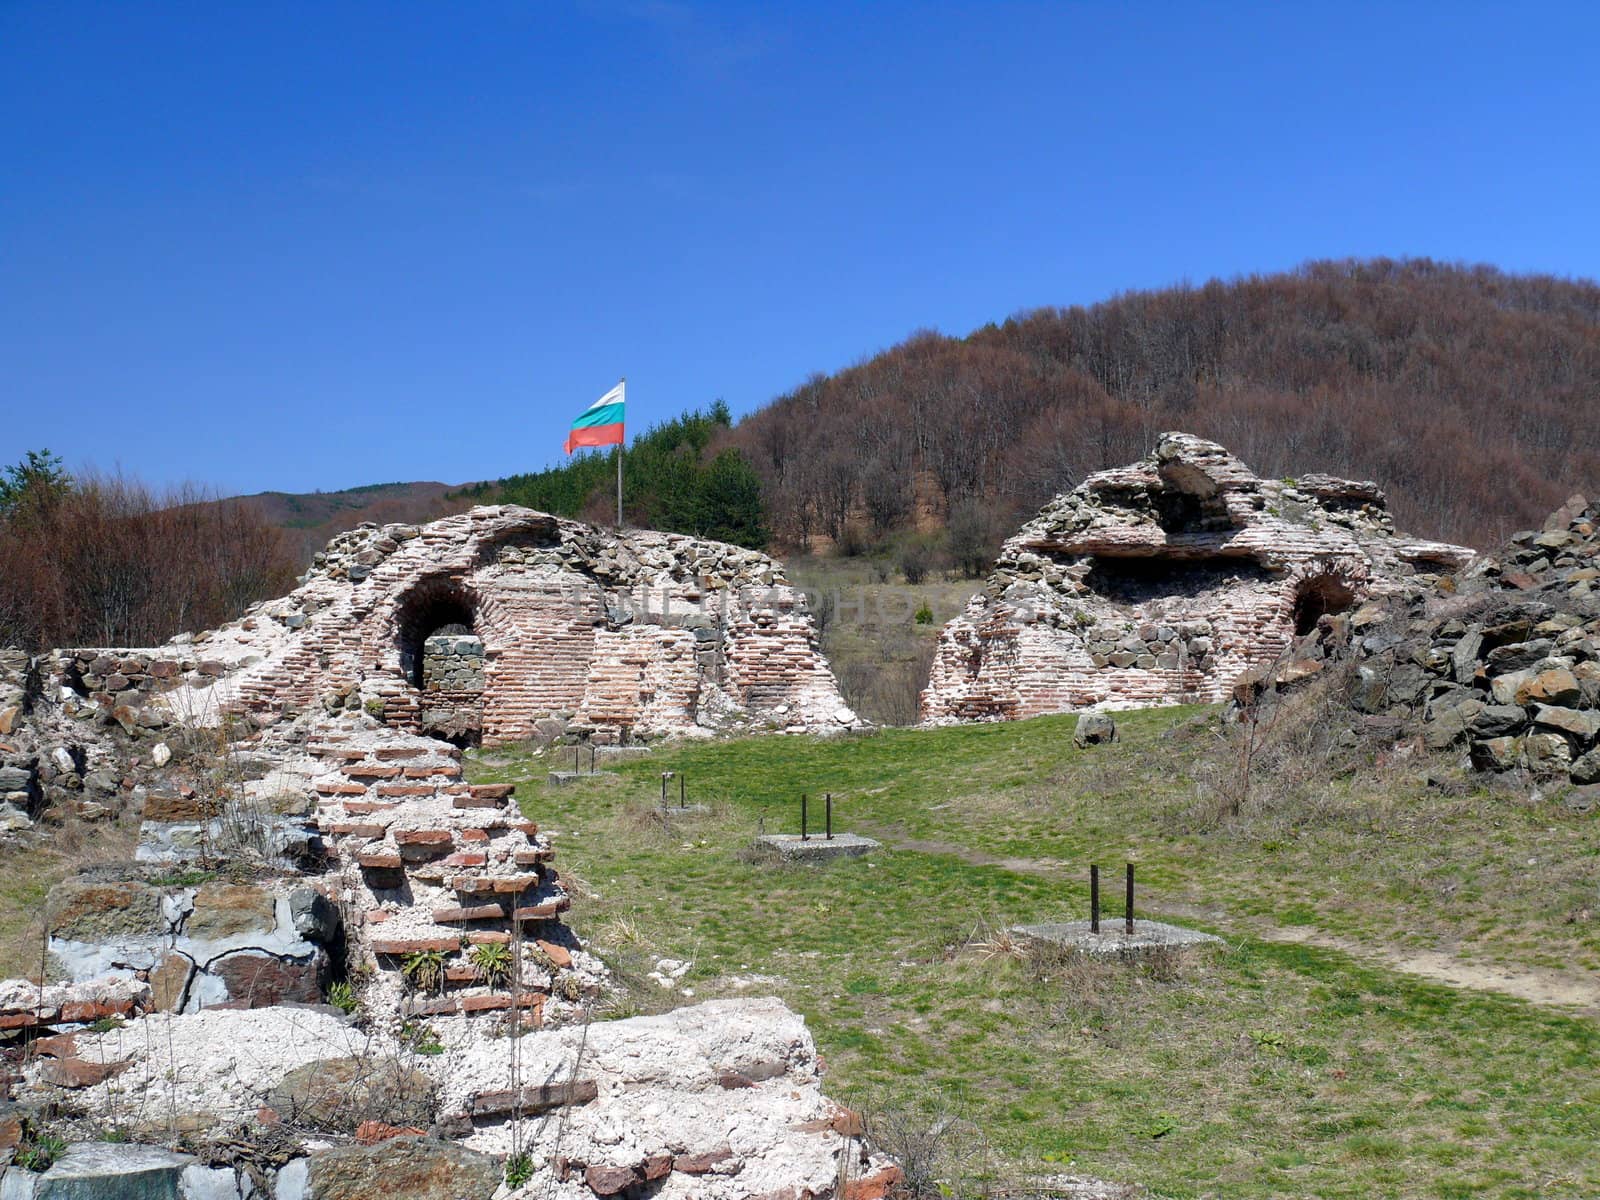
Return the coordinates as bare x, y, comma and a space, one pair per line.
1471, 395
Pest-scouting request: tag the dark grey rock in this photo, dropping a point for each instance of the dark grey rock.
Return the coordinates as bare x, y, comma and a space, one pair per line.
102, 781
1498, 720
1381, 640
1582, 727
410, 1167
1406, 683
1517, 656
1497, 754
1586, 770
1547, 753
1369, 693
1582, 799
1464, 657
1450, 725
316, 918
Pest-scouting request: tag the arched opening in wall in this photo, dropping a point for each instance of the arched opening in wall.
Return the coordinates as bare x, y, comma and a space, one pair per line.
1318, 596
442, 656
434, 607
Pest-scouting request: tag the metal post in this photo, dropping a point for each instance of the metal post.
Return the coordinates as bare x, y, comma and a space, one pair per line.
830, 817
804, 836
1094, 899
621, 383
665, 775
683, 792
591, 758
1128, 911
576, 750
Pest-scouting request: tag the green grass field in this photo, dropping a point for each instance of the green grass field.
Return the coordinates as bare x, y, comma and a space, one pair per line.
1263, 1068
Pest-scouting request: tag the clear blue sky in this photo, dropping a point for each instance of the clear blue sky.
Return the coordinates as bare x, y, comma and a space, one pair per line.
316, 245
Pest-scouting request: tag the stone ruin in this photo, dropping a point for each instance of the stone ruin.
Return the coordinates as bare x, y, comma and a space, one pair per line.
304, 821
1165, 582
619, 636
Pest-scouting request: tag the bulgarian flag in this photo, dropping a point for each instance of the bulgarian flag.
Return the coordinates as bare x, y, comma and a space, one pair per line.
601, 422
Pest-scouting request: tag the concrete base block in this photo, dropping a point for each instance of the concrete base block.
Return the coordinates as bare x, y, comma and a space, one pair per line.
817, 848
1113, 939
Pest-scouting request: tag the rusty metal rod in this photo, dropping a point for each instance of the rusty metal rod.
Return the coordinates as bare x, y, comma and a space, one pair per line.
830, 817
683, 792
804, 836
1127, 918
1094, 898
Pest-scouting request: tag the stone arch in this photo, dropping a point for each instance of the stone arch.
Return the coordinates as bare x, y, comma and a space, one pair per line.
435, 605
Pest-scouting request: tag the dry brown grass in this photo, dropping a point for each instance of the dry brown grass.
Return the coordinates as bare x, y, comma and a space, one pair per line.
990, 941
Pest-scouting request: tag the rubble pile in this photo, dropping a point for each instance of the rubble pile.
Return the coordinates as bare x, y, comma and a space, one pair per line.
432, 869
720, 1101
1503, 663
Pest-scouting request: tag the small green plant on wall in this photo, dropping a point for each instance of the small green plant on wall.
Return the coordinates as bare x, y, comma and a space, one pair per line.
493, 961
519, 1169
343, 997
424, 969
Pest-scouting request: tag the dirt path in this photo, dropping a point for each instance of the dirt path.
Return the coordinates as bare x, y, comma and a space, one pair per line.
1536, 985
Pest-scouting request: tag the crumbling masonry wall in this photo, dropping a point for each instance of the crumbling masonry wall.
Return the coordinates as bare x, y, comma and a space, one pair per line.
1165, 581
620, 635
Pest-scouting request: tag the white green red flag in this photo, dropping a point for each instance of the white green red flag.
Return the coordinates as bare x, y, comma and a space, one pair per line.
600, 424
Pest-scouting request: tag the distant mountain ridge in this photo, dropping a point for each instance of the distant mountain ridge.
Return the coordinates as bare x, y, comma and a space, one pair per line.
310, 519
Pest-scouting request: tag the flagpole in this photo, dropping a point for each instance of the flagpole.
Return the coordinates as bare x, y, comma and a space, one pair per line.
622, 382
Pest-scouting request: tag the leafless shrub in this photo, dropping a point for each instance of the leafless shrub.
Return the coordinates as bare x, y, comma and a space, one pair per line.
941, 1153
887, 687
1279, 761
